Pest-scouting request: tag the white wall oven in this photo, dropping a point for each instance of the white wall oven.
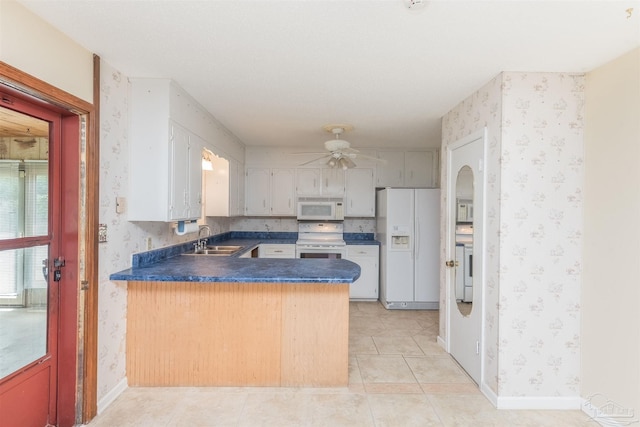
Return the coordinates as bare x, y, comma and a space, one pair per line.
320, 240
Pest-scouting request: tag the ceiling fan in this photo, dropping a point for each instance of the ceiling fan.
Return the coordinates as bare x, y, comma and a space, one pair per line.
339, 152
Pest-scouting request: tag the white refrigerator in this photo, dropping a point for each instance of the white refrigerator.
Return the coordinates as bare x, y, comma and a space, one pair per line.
408, 228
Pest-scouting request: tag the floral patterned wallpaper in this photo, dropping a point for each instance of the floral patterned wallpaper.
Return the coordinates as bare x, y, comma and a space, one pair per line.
534, 228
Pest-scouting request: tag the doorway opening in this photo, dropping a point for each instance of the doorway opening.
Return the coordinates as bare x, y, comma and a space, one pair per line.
46, 266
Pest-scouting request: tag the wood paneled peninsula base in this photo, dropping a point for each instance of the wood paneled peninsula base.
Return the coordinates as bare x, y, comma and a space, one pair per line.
237, 334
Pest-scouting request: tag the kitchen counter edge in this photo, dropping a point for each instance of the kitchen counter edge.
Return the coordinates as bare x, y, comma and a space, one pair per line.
188, 268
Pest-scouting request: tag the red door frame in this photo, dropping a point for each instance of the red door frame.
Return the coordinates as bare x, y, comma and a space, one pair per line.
68, 316
59, 360
17, 85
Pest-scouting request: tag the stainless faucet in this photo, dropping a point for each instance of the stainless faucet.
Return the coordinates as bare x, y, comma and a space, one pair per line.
202, 243
204, 227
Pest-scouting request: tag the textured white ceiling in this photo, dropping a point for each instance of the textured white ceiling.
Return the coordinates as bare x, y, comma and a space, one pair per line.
273, 72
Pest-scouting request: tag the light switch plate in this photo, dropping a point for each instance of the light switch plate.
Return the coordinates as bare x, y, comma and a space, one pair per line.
102, 233
121, 204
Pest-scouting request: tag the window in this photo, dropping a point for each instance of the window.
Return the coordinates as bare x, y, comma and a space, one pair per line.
24, 204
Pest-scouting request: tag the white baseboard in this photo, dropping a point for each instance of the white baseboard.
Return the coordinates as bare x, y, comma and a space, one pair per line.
442, 343
112, 395
543, 402
489, 394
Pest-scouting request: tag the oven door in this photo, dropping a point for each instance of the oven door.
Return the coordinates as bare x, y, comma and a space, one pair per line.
317, 252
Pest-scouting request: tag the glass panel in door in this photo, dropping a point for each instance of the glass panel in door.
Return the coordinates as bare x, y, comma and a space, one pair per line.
464, 241
24, 240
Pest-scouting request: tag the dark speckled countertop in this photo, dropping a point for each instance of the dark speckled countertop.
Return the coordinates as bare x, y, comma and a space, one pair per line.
169, 264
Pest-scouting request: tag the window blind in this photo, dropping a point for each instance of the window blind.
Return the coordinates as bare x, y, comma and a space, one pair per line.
9, 219
36, 220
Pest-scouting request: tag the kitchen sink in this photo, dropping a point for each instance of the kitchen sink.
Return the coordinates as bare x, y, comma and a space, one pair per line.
216, 250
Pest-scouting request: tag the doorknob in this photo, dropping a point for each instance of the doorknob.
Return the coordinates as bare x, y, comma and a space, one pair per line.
451, 263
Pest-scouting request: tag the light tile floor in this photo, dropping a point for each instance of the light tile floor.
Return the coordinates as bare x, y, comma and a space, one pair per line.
398, 376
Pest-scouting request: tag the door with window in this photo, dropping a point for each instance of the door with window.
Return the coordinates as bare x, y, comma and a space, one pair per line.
31, 264
465, 249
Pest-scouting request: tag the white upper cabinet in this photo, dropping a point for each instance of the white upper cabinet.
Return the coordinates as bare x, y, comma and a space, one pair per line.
419, 168
360, 197
185, 175
236, 196
275, 179
165, 169
412, 168
308, 181
332, 182
283, 192
391, 169
270, 192
327, 182
258, 192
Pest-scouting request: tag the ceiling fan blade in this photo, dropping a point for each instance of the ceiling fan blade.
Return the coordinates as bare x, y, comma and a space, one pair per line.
364, 156
315, 160
310, 152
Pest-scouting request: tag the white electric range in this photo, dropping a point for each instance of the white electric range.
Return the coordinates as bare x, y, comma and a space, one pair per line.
320, 240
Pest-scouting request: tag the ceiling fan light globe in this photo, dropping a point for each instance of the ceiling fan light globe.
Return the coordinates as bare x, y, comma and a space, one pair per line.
350, 163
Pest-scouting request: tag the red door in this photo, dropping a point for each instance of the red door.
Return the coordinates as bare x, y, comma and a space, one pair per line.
32, 264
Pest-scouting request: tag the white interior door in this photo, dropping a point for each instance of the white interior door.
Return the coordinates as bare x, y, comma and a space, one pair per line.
465, 218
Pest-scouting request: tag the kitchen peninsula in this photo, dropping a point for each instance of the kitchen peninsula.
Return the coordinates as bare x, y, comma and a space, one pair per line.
231, 321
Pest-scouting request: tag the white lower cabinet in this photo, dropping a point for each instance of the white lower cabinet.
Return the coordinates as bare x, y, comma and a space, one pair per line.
277, 250
366, 256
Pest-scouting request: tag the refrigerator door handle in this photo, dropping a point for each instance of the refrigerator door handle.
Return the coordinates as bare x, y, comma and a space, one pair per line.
417, 239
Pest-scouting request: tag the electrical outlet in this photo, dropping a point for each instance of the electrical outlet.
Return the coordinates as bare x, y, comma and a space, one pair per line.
149, 243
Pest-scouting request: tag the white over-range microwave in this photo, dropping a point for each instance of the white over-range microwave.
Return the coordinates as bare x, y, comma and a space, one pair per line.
320, 209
